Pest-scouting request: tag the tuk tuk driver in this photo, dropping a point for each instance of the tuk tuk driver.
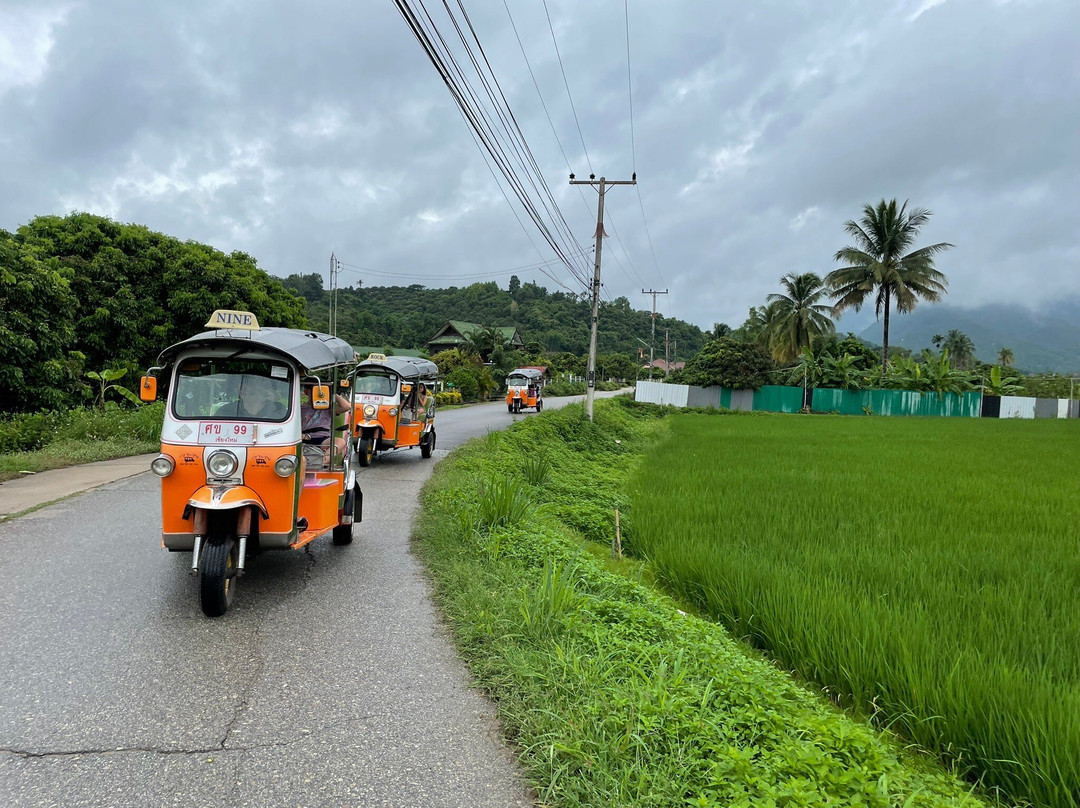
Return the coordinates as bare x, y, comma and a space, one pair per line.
258, 399
318, 425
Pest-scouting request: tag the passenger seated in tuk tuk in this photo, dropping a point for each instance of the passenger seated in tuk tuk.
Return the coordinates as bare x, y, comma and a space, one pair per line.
318, 425
427, 403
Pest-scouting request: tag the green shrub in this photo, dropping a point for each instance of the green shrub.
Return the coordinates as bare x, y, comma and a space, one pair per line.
561, 388
465, 382
26, 432
448, 397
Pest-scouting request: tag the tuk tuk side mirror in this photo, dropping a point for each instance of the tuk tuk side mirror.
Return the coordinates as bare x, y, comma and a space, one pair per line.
320, 397
148, 388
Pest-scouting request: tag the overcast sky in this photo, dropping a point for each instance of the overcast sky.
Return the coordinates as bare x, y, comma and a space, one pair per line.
292, 130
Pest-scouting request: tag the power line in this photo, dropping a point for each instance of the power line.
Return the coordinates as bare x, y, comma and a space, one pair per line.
567, 84
629, 87
487, 132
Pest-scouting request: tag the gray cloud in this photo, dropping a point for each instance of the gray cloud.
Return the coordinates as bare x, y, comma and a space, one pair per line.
290, 131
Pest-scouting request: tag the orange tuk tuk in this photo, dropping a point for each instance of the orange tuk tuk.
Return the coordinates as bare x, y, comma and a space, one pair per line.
394, 405
524, 388
237, 477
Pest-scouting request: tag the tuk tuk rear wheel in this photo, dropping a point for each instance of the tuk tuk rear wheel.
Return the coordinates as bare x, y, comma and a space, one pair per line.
510, 408
217, 576
428, 446
539, 406
343, 535
366, 451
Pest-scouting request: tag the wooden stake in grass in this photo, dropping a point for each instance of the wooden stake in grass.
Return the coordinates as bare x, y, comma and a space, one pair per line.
616, 545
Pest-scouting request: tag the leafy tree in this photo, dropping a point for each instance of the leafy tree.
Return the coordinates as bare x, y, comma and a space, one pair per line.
515, 285
880, 264
1005, 357
40, 365
448, 361
729, 363
719, 330
799, 318
960, 347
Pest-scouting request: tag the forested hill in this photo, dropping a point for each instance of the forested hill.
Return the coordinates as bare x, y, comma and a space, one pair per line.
408, 316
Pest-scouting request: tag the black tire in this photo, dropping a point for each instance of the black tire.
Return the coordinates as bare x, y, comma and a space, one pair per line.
539, 406
217, 576
343, 535
428, 446
510, 408
365, 451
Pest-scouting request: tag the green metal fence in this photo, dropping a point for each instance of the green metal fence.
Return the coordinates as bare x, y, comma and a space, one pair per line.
896, 402
773, 398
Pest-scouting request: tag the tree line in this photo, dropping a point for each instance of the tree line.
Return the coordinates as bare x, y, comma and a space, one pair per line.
792, 339
80, 294
550, 322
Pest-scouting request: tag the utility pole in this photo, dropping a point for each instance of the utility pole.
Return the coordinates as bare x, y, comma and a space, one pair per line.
331, 320
667, 363
652, 339
603, 182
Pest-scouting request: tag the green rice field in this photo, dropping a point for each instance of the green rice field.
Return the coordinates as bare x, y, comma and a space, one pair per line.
923, 572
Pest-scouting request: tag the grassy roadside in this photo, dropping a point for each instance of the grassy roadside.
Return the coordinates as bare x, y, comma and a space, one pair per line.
82, 436
611, 695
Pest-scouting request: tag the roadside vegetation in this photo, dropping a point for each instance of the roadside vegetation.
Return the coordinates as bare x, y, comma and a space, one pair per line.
921, 571
611, 694
48, 440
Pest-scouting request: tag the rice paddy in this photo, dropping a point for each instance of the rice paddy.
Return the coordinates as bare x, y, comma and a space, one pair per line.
922, 572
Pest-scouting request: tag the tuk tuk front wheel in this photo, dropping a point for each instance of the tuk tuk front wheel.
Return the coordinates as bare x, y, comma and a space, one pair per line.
539, 406
428, 446
217, 576
366, 451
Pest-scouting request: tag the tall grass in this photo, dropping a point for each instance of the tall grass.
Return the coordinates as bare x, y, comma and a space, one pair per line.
926, 572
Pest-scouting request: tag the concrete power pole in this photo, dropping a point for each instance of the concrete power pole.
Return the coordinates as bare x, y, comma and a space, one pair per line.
667, 344
603, 182
331, 321
652, 339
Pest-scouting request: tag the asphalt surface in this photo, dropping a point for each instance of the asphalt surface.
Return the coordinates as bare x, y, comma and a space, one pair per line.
330, 682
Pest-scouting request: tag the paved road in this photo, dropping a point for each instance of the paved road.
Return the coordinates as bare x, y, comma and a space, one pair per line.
331, 682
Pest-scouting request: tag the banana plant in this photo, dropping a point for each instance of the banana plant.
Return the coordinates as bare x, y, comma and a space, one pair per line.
999, 385
105, 378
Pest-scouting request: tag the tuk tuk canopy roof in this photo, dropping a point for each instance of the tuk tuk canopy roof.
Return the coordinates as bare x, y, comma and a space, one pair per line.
532, 374
407, 367
309, 349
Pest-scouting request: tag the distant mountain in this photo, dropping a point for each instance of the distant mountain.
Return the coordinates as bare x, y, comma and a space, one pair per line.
1041, 341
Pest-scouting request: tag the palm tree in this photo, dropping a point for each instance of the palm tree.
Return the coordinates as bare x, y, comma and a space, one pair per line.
1005, 357
936, 340
879, 264
800, 317
960, 347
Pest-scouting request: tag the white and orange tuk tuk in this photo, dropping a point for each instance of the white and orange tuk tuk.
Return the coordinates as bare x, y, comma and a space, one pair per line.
236, 477
394, 405
524, 389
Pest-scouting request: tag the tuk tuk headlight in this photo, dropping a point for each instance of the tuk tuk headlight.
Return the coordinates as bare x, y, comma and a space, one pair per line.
222, 463
393, 411
162, 465
285, 466
369, 411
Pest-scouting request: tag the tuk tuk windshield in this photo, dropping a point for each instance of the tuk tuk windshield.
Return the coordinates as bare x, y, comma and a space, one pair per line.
517, 381
376, 384
233, 389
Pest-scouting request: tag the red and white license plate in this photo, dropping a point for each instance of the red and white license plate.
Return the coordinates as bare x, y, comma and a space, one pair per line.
214, 433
